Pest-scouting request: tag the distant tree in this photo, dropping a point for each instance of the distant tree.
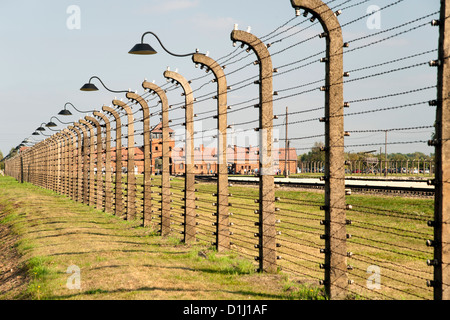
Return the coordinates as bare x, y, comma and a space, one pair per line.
12, 152
418, 156
399, 157
315, 155
2, 164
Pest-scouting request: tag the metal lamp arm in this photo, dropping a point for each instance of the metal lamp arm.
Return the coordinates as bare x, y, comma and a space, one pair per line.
165, 49
115, 91
60, 120
76, 108
49, 127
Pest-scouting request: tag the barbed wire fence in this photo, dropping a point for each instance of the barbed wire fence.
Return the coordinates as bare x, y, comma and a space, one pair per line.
335, 239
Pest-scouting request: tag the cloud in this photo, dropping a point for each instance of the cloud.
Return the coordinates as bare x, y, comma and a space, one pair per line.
167, 6
212, 24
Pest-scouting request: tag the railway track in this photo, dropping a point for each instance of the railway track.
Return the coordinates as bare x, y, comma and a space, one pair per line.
377, 186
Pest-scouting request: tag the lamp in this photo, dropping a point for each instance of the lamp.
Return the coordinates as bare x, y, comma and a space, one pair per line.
146, 49
91, 87
65, 112
142, 48
52, 124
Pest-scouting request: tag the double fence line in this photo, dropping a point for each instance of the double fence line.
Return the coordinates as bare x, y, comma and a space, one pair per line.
88, 163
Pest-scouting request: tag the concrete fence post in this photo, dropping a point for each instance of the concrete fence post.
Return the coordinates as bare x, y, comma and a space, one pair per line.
70, 161
189, 231
43, 160
36, 164
91, 177
78, 190
59, 164
21, 169
222, 215
65, 162
99, 163
64, 158
85, 151
131, 178
107, 190
267, 233
118, 194
46, 160
336, 278
52, 181
165, 178
441, 223
61, 156
147, 182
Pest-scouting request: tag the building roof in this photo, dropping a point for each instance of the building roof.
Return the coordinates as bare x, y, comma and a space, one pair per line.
234, 154
158, 128
291, 156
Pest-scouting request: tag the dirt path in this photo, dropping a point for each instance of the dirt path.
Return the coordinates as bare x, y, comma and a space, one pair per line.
13, 278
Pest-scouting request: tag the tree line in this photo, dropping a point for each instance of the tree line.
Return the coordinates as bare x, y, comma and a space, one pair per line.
316, 155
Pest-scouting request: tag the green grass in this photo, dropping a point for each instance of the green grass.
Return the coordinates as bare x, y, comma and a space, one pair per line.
119, 259
388, 231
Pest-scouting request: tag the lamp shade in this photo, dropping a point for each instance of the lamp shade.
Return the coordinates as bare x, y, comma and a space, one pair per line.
51, 124
35, 133
65, 112
142, 48
89, 87
40, 129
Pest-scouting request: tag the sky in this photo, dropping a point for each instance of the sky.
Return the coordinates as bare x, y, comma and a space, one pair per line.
51, 48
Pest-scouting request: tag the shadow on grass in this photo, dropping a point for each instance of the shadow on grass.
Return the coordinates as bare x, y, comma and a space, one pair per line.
87, 233
146, 266
109, 251
152, 289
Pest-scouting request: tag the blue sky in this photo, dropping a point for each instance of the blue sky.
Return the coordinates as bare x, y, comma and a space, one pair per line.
44, 63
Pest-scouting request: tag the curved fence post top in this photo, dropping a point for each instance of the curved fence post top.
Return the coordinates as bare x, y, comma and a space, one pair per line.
214, 66
105, 119
324, 14
86, 123
93, 120
134, 97
177, 77
252, 41
121, 104
112, 111
155, 88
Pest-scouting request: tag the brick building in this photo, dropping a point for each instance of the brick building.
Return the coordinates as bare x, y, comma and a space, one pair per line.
241, 160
